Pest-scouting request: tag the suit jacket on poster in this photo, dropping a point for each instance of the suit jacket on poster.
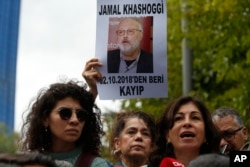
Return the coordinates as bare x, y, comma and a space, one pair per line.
145, 62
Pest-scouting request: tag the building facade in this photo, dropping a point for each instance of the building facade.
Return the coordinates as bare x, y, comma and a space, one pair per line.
9, 24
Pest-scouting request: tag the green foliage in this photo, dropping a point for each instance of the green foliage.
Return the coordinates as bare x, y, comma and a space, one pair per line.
219, 36
108, 120
218, 33
8, 141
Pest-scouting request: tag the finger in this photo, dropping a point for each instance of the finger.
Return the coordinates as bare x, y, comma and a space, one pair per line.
98, 76
92, 74
92, 64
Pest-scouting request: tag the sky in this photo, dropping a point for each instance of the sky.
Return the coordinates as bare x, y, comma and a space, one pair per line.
56, 38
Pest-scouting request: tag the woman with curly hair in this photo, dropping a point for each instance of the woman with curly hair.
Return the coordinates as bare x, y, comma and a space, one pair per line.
64, 123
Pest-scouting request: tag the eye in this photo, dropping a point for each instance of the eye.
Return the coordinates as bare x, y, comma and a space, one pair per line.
131, 132
228, 134
196, 117
120, 32
81, 114
130, 31
177, 118
146, 133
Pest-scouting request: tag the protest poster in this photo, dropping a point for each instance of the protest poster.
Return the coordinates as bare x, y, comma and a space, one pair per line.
131, 45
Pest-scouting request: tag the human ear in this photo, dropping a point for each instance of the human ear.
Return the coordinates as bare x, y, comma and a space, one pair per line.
45, 121
245, 133
167, 138
117, 143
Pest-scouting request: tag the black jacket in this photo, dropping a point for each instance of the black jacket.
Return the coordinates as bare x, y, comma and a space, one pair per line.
145, 62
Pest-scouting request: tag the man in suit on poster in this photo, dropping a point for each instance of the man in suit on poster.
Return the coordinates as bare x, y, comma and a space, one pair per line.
129, 58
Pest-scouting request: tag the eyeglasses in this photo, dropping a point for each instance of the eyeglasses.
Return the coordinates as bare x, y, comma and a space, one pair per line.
129, 32
229, 135
66, 113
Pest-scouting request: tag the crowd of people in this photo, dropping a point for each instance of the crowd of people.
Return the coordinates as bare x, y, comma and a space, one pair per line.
63, 128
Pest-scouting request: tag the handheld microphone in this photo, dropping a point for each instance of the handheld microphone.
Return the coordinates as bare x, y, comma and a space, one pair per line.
170, 162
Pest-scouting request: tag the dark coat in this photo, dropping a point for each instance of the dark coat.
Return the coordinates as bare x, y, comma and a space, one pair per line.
145, 62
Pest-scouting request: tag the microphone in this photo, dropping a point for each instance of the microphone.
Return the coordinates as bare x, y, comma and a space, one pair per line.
170, 162
223, 149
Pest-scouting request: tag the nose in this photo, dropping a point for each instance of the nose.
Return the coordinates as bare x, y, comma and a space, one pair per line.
73, 119
187, 122
223, 142
138, 136
125, 34
223, 146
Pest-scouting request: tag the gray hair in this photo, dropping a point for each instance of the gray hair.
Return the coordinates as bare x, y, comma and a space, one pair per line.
62, 163
208, 160
136, 19
227, 111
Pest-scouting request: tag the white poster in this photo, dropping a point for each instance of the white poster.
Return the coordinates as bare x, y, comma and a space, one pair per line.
131, 44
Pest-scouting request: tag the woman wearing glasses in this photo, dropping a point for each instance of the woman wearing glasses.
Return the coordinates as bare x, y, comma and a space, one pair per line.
64, 123
234, 133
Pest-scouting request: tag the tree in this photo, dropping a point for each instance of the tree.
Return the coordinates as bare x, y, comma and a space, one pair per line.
218, 33
220, 40
8, 141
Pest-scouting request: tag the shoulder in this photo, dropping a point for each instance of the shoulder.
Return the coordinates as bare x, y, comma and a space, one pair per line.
100, 162
210, 159
113, 56
246, 146
118, 164
62, 163
146, 57
114, 52
144, 53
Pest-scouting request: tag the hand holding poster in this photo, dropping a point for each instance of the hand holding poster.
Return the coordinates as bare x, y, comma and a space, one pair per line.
131, 44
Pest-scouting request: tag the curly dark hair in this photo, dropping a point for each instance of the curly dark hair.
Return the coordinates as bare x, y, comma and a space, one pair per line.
34, 136
27, 158
166, 122
120, 121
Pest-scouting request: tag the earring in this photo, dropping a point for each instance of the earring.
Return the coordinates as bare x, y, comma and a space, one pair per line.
46, 129
168, 143
116, 152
